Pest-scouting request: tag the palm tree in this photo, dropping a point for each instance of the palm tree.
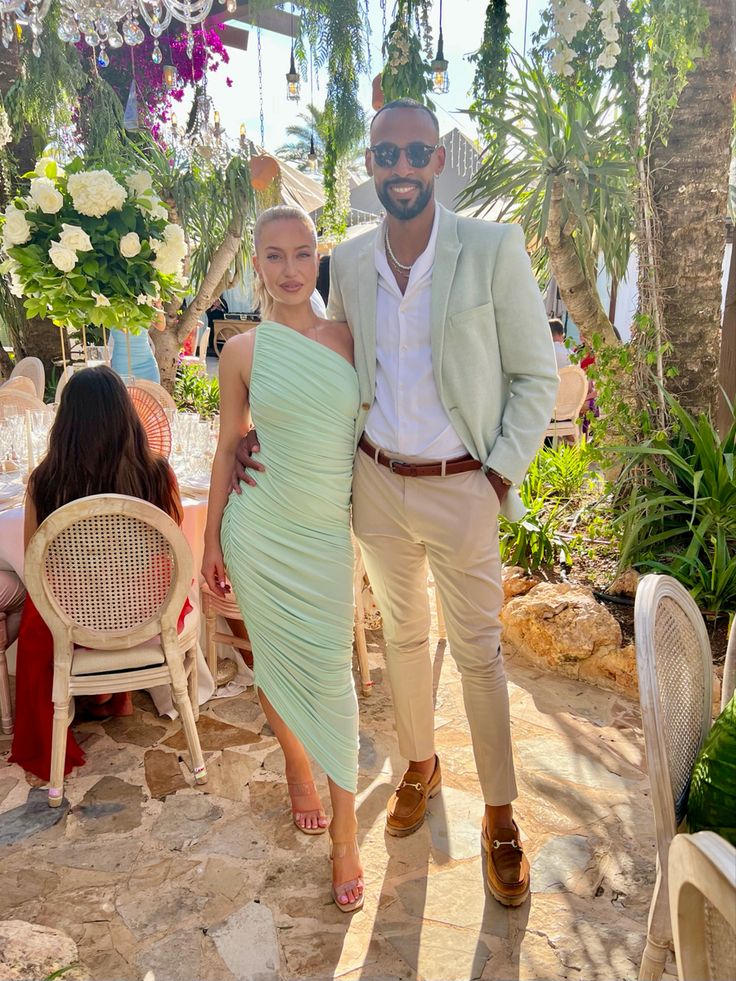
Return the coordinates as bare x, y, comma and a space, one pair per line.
564, 172
313, 128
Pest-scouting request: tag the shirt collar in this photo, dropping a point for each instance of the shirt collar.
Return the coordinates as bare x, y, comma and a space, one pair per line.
423, 263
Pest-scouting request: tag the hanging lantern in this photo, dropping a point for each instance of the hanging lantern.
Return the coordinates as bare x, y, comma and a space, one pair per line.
312, 155
243, 140
292, 76
440, 78
292, 81
169, 76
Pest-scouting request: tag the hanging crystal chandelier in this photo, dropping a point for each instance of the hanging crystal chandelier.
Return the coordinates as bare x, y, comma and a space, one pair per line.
206, 142
106, 23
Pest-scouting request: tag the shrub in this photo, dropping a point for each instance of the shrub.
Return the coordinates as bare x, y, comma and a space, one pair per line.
195, 392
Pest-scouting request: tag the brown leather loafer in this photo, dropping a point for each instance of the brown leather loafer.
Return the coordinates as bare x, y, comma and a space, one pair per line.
507, 867
408, 804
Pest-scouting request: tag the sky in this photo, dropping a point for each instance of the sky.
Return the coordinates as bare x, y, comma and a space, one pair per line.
462, 27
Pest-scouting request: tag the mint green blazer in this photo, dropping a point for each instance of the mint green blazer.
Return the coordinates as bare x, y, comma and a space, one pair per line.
492, 349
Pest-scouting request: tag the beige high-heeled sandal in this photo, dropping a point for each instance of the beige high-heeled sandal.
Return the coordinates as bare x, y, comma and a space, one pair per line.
306, 790
341, 849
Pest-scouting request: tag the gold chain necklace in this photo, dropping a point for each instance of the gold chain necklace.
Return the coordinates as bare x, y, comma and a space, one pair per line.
399, 265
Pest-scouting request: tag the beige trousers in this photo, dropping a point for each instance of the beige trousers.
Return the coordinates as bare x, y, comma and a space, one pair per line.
400, 523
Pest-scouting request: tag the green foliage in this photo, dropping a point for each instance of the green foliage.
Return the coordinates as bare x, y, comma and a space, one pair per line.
43, 97
680, 515
564, 144
556, 482
103, 287
206, 202
100, 125
195, 392
333, 220
406, 74
490, 79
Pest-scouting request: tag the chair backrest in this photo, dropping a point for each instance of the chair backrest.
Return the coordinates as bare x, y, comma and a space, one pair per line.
570, 394
31, 368
64, 377
202, 345
157, 391
702, 886
108, 572
13, 400
729, 668
20, 384
154, 419
675, 669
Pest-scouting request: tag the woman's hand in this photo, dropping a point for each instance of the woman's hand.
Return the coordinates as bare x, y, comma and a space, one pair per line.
213, 570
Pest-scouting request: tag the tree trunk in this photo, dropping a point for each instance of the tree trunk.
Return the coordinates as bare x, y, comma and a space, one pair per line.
690, 183
166, 343
578, 291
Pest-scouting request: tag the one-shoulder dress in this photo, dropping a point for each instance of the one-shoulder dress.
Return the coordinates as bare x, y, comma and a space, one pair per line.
286, 543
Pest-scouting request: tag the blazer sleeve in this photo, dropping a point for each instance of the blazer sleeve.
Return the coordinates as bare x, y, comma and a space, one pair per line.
527, 359
335, 303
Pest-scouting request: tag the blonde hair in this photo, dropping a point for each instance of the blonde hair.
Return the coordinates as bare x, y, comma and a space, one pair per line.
279, 212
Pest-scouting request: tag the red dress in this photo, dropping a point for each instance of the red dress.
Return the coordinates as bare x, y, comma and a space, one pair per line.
34, 708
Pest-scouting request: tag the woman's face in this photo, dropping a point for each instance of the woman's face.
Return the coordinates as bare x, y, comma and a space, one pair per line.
286, 260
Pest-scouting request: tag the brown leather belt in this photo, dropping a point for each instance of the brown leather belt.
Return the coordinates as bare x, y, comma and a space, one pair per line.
461, 464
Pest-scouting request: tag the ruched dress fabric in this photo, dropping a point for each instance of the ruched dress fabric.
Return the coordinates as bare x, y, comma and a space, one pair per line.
286, 543
142, 362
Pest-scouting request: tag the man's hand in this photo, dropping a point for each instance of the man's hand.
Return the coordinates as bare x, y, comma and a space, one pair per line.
245, 461
498, 485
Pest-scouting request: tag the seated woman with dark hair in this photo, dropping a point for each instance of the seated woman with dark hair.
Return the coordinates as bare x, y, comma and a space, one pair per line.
97, 446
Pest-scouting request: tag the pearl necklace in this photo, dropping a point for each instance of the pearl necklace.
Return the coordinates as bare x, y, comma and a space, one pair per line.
405, 270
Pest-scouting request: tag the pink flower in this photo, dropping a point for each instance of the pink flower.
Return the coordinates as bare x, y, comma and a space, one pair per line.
229, 82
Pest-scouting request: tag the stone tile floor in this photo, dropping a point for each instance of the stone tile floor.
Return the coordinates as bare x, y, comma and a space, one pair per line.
147, 873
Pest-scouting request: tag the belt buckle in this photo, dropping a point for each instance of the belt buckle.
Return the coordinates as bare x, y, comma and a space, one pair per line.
396, 463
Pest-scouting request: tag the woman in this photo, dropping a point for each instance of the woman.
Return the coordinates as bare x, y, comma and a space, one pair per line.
286, 544
142, 363
97, 446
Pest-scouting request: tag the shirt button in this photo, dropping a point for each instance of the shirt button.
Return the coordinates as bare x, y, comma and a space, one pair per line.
366, 405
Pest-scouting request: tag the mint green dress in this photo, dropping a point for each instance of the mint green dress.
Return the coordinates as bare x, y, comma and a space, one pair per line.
286, 543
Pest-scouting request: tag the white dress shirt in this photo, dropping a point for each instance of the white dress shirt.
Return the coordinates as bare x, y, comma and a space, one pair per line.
407, 416
562, 356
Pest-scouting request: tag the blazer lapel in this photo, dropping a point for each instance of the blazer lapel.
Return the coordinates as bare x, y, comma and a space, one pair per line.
445, 262
365, 326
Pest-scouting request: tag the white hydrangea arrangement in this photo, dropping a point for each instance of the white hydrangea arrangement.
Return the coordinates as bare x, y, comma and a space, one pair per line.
86, 247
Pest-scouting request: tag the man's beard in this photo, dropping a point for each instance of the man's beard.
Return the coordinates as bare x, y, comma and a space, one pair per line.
404, 211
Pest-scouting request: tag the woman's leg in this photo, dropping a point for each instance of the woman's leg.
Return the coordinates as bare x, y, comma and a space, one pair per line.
347, 871
305, 803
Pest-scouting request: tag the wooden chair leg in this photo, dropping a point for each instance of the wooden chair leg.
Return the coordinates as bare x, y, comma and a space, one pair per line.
210, 628
361, 647
58, 752
194, 682
659, 932
184, 705
6, 708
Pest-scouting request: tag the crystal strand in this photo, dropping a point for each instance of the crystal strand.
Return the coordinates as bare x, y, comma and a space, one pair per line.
260, 84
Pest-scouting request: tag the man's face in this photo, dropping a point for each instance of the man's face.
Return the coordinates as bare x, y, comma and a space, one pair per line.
405, 187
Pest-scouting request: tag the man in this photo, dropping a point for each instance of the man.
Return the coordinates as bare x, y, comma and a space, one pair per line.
448, 325
562, 356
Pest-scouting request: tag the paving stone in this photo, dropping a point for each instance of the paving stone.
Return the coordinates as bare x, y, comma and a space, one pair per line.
164, 774
158, 911
241, 710
108, 757
30, 818
454, 819
104, 856
28, 950
214, 735
435, 950
228, 775
455, 896
6, 785
184, 819
248, 944
541, 757
20, 886
560, 863
134, 729
185, 955
112, 805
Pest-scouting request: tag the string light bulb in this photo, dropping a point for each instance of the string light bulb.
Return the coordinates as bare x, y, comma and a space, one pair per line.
440, 78
293, 82
169, 76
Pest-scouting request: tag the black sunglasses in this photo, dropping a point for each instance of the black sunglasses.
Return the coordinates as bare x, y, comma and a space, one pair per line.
418, 154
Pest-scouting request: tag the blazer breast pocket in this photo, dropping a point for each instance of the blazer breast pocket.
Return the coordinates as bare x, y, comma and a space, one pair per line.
472, 336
